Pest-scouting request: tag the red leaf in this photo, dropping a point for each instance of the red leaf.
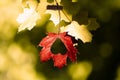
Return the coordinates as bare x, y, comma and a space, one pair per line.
49, 40
59, 59
45, 54
69, 45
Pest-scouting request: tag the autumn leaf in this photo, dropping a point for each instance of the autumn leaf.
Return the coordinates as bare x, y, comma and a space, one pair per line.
55, 16
58, 15
78, 31
28, 18
42, 9
59, 59
45, 54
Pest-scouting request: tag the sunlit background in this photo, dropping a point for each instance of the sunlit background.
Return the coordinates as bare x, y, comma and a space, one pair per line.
98, 60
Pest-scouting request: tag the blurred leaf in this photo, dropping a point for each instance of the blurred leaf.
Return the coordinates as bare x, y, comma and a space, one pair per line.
29, 3
71, 7
78, 31
81, 17
92, 24
42, 6
28, 18
50, 27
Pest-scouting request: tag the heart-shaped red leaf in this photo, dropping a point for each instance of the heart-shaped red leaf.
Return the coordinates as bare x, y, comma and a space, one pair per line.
59, 59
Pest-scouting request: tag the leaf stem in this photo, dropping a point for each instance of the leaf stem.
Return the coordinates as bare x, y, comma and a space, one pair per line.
56, 2
59, 21
59, 17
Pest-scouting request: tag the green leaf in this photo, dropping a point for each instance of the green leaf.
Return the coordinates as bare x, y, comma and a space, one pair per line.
92, 24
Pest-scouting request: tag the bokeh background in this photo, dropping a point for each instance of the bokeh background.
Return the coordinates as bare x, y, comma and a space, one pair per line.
97, 60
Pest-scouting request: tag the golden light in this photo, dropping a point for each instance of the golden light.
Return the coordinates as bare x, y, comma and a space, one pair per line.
80, 71
16, 63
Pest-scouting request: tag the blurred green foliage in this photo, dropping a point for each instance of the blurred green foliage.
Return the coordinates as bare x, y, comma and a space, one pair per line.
98, 60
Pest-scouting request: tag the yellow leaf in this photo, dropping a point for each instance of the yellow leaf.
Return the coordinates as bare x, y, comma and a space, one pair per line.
78, 31
27, 19
55, 16
42, 9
